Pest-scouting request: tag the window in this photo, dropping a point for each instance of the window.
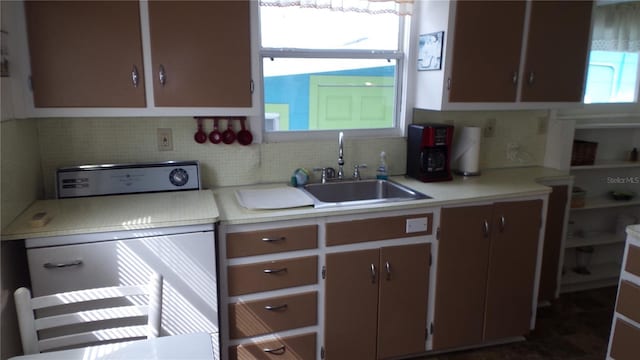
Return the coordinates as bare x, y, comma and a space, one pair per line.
612, 77
613, 68
330, 70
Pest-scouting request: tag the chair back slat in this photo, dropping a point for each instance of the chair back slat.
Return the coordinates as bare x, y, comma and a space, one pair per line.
120, 334
65, 327
74, 297
82, 317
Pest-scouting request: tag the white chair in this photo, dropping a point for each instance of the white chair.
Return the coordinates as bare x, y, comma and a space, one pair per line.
31, 325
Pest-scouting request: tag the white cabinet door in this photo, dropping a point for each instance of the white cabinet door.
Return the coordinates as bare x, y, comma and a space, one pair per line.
187, 262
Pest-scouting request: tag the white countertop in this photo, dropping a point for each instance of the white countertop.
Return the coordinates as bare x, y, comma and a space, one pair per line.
115, 213
126, 212
489, 186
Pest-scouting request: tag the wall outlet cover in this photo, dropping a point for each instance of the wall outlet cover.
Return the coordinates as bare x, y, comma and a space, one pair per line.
417, 225
165, 139
489, 128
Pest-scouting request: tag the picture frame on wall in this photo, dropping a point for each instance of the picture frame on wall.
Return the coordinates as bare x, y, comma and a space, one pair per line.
430, 51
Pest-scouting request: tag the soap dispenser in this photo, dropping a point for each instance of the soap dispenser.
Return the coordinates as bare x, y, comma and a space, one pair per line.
381, 173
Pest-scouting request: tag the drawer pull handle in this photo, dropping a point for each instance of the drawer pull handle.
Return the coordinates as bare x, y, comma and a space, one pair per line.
277, 351
267, 239
274, 271
62, 265
277, 307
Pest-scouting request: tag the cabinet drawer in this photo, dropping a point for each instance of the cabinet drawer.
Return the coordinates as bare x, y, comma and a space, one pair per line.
356, 231
274, 314
300, 347
628, 300
624, 345
271, 275
271, 241
633, 260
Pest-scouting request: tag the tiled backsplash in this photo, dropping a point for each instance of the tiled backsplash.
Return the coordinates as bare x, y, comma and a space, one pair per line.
21, 181
519, 128
76, 141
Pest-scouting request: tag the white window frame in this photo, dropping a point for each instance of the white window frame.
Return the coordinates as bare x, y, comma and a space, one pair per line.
401, 57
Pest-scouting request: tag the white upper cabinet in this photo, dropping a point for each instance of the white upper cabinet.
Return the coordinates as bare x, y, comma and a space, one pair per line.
147, 58
505, 54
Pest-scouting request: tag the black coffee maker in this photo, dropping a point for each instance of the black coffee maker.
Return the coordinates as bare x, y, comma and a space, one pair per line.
429, 152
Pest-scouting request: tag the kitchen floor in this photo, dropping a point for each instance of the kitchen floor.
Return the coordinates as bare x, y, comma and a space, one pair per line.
575, 327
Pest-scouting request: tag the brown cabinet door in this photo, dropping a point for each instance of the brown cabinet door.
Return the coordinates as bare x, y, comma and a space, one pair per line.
486, 50
204, 49
84, 53
552, 243
461, 279
402, 304
557, 51
351, 305
510, 283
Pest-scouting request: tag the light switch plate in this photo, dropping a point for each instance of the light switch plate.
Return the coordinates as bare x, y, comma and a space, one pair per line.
417, 225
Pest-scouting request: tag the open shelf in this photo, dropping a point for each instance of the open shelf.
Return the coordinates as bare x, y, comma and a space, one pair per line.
599, 272
607, 164
600, 202
604, 238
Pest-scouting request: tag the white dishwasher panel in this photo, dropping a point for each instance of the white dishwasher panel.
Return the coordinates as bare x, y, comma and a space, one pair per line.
187, 262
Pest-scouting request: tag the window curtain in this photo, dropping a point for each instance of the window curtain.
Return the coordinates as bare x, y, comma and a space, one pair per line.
617, 27
399, 7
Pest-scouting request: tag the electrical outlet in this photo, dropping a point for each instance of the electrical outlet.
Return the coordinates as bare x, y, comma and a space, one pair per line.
165, 139
542, 125
417, 225
489, 128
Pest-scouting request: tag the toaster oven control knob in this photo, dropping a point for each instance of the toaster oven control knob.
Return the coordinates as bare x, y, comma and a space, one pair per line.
178, 177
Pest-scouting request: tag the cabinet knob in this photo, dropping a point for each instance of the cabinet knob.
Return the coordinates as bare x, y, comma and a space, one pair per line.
514, 78
162, 75
388, 268
532, 78
373, 274
485, 229
135, 79
502, 223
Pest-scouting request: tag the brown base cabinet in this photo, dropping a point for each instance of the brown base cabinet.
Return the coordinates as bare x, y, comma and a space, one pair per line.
376, 302
625, 332
486, 272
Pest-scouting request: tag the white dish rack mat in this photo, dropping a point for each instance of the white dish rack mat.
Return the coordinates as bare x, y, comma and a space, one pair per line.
274, 198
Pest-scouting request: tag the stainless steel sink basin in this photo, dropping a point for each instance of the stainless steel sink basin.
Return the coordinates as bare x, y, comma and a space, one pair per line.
342, 193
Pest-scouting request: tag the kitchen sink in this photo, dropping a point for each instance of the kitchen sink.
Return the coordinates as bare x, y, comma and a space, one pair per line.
360, 192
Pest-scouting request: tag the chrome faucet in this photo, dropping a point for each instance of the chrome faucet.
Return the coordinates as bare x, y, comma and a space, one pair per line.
340, 157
